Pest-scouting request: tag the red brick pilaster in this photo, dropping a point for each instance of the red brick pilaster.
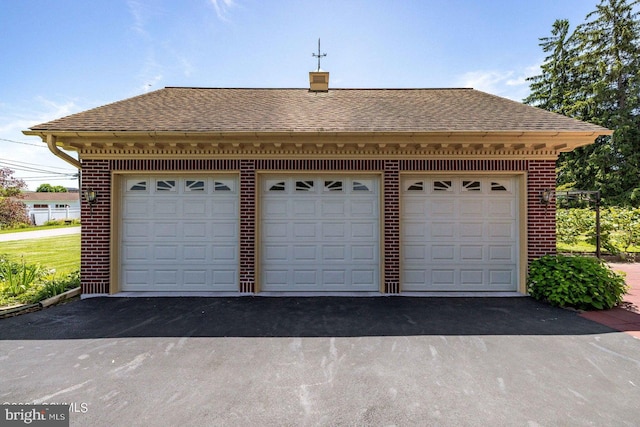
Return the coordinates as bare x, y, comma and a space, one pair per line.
96, 226
391, 242
541, 221
247, 226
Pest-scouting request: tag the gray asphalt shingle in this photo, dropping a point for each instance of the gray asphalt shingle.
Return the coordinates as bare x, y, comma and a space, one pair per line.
299, 110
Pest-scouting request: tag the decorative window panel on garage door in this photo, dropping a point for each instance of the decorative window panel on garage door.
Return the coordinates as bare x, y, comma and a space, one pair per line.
459, 233
179, 233
319, 233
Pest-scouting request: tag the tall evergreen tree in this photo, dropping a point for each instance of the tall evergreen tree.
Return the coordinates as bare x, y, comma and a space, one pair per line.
603, 88
551, 89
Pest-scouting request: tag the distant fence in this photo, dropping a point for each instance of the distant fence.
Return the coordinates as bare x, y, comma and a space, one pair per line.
39, 216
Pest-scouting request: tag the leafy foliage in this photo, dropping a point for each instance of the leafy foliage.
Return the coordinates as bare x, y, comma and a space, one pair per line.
48, 188
17, 277
578, 282
619, 228
9, 185
12, 211
21, 282
592, 75
55, 286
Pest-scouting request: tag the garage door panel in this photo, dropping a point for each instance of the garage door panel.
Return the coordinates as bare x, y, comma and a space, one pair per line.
274, 230
136, 252
188, 239
465, 238
471, 253
503, 277
415, 208
334, 253
302, 208
332, 230
364, 208
305, 253
335, 208
194, 253
471, 208
333, 278
363, 277
473, 277
165, 230
222, 253
412, 231
304, 230
136, 229
225, 279
139, 279
363, 230
166, 277
137, 209
227, 230
321, 237
195, 207
441, 208
275, 208
196, 278
165, 252
225, 208
165, 208
302, 277
502, 208
502, 253
276, 253
414, 252
444, 277
471, 229
442, 230
363, 253
443, 252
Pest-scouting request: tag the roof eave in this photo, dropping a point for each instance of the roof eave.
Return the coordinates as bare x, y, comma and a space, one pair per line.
559, 140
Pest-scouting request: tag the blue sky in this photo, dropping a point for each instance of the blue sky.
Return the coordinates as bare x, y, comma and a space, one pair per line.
65, 56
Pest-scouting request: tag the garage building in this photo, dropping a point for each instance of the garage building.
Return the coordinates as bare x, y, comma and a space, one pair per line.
314, 191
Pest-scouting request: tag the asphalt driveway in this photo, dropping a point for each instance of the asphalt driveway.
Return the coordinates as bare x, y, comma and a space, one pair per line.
321, 361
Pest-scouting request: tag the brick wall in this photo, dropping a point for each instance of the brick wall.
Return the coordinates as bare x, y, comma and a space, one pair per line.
96, 174
96, 227
541, 221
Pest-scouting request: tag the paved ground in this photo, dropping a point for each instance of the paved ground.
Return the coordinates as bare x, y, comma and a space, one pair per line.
36, 234
626, 317
321, 361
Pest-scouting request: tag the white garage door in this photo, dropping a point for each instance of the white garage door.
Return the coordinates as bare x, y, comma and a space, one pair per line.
459, 234
320, 233
179, 234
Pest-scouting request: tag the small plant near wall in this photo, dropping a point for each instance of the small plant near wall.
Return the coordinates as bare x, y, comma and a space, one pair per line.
573, 281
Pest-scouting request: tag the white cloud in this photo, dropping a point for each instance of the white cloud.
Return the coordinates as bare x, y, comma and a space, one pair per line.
139, 17
510, 84
222, 7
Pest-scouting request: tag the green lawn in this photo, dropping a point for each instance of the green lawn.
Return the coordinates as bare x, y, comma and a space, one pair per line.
41, 227
61, 253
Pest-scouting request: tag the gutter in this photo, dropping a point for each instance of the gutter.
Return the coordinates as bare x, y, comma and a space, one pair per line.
51, 143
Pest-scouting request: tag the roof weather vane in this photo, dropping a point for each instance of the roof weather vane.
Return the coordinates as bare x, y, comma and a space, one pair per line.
319, 55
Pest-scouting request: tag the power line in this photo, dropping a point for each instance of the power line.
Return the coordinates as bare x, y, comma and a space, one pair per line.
23, 143
31, 169
17, 162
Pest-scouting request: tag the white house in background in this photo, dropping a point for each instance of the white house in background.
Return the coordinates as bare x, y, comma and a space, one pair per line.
45, 207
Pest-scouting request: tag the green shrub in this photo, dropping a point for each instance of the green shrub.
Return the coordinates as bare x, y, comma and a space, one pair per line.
55, 286
17, 277
579, 282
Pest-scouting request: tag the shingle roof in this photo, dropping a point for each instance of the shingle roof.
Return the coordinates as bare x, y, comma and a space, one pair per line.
299, 110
